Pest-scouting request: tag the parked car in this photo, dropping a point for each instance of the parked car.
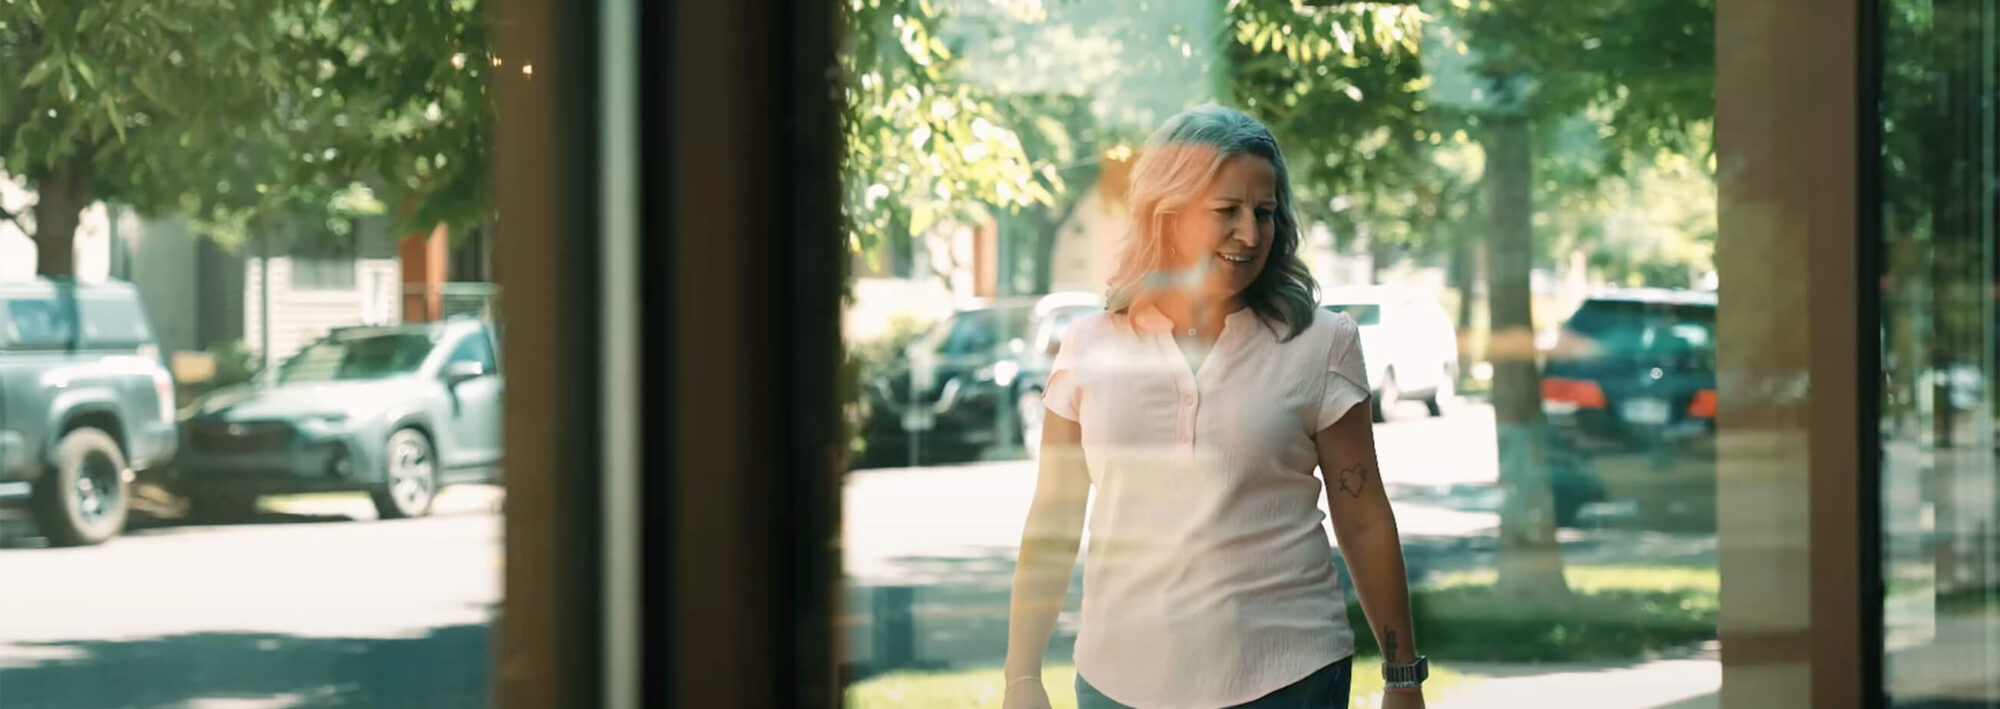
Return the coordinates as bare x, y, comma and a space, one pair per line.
1407, 342
949, 390
85, 400
1629, 394
399, 412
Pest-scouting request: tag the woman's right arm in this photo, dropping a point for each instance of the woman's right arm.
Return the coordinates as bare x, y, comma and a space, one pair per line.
1049, 544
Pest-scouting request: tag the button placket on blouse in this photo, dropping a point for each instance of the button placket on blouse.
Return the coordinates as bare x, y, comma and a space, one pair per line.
1184, 385
1190, 406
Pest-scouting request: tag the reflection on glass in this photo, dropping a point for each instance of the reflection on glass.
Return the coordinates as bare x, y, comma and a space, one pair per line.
190, 194
1529, 254
1940, 209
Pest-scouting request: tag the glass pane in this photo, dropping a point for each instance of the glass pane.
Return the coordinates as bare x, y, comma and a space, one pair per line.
374, 354
39, 323
1363, 313
1940, 211
113, 323
1512, 203
227, 495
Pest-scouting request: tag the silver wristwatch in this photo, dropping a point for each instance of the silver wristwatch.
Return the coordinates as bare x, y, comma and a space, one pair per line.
1410, 676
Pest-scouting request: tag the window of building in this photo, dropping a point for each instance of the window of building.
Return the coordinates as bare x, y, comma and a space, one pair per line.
326, 261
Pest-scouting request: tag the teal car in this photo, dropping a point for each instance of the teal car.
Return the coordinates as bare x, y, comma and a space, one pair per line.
398, 412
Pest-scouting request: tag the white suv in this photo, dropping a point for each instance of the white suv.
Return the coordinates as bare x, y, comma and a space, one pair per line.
1407, 341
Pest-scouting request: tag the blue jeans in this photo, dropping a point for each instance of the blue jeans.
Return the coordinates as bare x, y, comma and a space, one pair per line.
1324, 689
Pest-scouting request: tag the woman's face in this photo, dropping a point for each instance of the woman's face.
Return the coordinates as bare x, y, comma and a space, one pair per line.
1225, 233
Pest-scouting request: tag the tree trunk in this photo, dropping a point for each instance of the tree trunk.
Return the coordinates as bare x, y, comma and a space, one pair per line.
1048, 230
1380, 257
1050, 221
1530, 561
1464, 279
61, 198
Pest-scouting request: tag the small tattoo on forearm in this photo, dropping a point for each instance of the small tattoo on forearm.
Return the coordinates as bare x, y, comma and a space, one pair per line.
1353, 479
1389, 645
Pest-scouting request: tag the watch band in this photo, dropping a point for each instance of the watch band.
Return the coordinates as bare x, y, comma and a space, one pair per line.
1412, 674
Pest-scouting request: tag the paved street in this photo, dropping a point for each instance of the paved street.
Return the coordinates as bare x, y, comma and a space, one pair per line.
307, 607
318, 604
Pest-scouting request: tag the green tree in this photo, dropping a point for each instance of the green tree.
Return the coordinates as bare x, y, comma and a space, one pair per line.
1059, 85
1342, 87
239, 113
922, 146
1643, 72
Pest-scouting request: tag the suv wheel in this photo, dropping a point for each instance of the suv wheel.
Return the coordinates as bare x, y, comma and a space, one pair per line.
410, 485
1442, 396
86, 497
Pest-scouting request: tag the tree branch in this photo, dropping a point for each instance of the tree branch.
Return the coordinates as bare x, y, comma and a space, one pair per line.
15, 217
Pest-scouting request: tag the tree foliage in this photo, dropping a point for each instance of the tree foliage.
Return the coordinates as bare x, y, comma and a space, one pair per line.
1641, 73
922, 146
1643, 70
958, 108
229, 112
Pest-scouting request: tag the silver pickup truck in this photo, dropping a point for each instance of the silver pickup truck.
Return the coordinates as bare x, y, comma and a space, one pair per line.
85, 400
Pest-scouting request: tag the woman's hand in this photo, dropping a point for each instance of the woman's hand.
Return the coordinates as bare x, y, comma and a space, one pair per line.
1399, 699
1028, 694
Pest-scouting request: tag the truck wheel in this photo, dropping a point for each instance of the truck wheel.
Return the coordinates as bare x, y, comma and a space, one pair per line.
86, 497
411, 483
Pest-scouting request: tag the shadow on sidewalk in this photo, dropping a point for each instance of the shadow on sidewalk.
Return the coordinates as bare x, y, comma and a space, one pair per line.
447, 668
1706, 701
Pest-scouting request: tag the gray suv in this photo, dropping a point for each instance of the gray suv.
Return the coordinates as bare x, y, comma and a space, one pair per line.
85, 400
399, 412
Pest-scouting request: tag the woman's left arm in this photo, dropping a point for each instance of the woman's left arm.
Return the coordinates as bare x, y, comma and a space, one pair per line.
1365, 526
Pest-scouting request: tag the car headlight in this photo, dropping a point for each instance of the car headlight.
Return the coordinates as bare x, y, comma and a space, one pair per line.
1001, 373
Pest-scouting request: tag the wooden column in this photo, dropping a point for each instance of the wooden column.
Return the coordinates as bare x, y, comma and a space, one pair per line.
1791, 449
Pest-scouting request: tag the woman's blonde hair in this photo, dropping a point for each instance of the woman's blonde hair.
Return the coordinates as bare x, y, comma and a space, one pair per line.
1178, 163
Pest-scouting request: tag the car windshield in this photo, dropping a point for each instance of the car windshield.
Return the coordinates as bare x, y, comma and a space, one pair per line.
1363, 313
975, 331
376, 356
1635, 327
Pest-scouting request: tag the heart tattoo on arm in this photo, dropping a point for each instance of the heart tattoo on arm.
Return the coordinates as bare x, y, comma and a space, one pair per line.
1353, 479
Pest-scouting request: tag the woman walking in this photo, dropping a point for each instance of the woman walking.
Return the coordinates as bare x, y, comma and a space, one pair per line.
1197, 406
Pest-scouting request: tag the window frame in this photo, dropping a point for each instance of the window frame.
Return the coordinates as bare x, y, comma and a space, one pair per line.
321, 257
738, 139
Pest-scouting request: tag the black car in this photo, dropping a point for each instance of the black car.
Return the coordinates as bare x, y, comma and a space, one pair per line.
1629, 394
972, 381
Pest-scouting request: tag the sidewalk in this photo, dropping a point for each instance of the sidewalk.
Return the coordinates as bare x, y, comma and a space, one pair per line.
949, 535
455, 500
1690, 682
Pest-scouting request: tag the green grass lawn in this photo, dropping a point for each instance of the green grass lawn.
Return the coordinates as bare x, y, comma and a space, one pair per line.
1614, 613
982, 688
1975, 602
